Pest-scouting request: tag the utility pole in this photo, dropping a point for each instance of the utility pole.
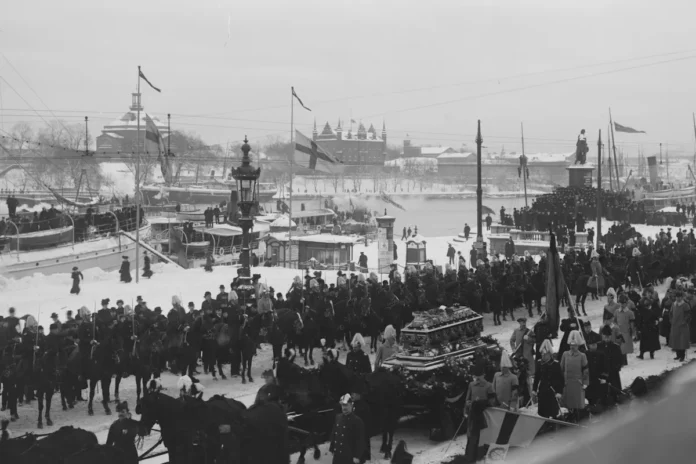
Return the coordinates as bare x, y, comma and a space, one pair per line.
86, 136
479, 191
599, 189
523, 166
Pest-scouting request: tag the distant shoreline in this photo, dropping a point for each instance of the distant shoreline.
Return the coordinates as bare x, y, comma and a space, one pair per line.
424, 195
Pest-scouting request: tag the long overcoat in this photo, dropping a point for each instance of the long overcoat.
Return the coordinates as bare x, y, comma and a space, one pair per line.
680, 318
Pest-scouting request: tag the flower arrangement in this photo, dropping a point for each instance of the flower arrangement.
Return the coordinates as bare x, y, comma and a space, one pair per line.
454, 376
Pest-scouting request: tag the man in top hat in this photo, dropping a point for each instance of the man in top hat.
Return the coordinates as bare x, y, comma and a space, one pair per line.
54, 319
123, 432
348, 435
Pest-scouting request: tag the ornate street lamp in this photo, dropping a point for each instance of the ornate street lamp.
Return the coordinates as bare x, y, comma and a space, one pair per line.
246, 177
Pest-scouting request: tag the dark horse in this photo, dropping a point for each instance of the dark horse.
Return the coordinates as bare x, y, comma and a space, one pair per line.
385, 395
191, 428
145, 359
55, 447
101, 365
45, 379
305, 395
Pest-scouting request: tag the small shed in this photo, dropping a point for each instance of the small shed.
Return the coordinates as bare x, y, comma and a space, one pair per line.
416, 250
283, 224
328, 251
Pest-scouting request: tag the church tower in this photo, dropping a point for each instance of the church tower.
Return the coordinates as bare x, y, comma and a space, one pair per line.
314, 132
339, 131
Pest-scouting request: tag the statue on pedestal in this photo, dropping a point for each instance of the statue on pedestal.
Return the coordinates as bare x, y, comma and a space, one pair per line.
581, 148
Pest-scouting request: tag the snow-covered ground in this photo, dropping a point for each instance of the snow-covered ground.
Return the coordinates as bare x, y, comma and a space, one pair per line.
41, 295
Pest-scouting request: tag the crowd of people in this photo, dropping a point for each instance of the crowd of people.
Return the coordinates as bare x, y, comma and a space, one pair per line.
226, 329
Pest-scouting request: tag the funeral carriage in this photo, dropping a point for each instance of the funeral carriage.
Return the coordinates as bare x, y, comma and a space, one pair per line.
439, 349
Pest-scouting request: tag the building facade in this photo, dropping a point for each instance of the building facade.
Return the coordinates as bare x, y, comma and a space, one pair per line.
120, 136
354, 149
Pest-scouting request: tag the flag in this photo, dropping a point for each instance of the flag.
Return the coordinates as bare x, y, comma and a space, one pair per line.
509, 428
555, 286
152, 134
298, 99
619, 128
309, 155
142, 76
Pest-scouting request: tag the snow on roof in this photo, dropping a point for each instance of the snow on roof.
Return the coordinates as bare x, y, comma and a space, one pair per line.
283, 221
221, 230
400, 162
435, 150
313, 213
454, 155
327, 238
419, 239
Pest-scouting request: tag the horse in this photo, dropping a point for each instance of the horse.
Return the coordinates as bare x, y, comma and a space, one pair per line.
303, 391
100, 368
384, 395
45, 380
55, 447
248, 336
158, 408
145, 359
103, 454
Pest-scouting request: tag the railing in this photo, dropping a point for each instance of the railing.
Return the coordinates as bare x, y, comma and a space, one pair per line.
530, 236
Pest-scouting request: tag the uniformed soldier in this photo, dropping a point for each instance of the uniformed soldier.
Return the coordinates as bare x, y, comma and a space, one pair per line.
123, 432
348, 436
479, 396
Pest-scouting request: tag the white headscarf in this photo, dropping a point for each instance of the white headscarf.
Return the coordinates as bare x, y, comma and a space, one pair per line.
505, 360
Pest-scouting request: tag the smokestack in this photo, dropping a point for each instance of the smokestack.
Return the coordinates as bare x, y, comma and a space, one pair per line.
652, 170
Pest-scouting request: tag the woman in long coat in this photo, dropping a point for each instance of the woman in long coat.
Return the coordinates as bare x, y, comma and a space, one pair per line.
680, 334
648, 323
548, 382
125, 270
575, 374
625, 320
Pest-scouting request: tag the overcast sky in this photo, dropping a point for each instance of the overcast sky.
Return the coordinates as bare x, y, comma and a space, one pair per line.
429, 69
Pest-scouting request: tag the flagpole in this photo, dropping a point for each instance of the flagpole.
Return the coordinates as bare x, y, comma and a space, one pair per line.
524, 168
613, 146
137, 190
292, 167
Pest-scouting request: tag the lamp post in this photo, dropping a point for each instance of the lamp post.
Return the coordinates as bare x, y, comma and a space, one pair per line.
246, 177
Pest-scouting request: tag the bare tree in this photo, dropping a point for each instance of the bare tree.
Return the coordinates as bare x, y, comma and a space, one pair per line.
335, 180
357, 180
315, 182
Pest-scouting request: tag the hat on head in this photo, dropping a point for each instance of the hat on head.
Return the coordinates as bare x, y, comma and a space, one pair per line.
593, 338
105, 301
207, 294
122, 406
74, 268
505, 360
546, 347
606, 330
575, 338
346, 399
54, 315
611, 292
522, 319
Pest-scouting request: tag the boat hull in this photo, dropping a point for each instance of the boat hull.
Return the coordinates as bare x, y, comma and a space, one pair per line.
106, 255
41, 239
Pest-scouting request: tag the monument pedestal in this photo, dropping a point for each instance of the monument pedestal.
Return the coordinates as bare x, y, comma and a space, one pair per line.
580, 175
